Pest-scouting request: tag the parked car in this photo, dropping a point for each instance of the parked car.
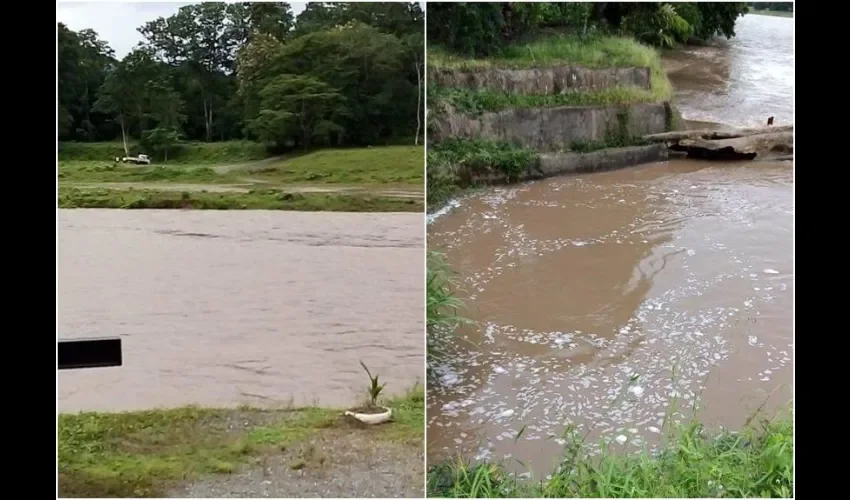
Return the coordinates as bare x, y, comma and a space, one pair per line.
138, 160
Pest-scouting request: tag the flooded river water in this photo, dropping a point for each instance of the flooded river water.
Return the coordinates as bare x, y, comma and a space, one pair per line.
223, 308
616, 302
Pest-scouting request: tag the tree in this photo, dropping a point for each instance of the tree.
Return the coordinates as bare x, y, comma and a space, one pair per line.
82, 65
201, 38
119, 98
248, 20
201, 72
300, 108
415, 45
164, 105
160, 141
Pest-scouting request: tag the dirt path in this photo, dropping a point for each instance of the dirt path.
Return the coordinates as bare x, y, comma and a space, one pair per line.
334, 464
194, 452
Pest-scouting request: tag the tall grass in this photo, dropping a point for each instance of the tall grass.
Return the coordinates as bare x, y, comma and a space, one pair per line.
442, 305
478, 101
558, 50
756, 462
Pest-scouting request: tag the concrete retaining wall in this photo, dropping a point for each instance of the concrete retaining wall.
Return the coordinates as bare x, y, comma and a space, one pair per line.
552, 129
572, 163
542, 80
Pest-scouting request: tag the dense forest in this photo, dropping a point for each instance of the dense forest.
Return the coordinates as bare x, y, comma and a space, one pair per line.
338, 74
484, 29
777, 6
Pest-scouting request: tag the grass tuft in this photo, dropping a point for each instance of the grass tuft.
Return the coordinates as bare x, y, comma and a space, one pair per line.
451, 164
751, 463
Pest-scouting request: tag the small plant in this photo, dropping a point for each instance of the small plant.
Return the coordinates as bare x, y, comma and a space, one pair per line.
374, 388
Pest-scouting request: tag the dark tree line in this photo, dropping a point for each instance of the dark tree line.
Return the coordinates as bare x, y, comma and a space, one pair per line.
484, 28
338, 74
777, 6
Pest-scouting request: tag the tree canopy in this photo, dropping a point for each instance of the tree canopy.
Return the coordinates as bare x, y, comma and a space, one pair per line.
482, 29
344, 73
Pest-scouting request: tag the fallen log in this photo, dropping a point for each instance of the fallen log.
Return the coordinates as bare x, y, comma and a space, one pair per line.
764, 145
711, 135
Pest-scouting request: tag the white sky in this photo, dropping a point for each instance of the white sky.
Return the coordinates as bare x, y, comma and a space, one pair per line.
116, 22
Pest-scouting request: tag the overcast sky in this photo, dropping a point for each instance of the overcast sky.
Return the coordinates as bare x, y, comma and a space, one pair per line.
117, 22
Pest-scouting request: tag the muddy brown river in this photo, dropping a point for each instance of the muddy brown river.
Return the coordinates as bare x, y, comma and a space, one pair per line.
224, 308
620, 302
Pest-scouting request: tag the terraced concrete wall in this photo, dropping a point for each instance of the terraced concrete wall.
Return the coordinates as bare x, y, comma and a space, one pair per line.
552, 129
542, 80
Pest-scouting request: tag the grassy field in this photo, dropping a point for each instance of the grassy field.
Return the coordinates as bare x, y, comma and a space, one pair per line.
261, 199
381, 165
140, 454
190, 152
229, 176
757, 462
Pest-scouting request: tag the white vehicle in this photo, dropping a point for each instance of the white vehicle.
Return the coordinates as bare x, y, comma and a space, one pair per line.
138, 160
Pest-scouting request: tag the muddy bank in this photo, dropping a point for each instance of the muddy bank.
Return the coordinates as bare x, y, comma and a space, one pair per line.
541, 80
555, 129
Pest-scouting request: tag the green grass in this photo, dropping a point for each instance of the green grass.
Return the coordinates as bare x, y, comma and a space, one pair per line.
610, 141
442, 306
143, 454
378, 165
268, 199
186, 153
397, 165
478, 101
92, 171
408, 417
452, 163
557, 50
752, 463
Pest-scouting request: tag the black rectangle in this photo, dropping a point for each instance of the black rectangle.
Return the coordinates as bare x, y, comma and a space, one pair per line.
90, 353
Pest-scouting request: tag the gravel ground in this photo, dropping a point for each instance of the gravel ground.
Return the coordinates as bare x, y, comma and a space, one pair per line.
337, 463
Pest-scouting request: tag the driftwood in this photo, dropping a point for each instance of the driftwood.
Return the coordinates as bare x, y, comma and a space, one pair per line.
743, 144
711, 135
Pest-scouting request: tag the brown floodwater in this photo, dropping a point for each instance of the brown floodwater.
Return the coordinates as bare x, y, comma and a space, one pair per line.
619, 302
738, 82
223, 308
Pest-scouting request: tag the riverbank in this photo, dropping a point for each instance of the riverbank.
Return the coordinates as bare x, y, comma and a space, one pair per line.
238, 176
592, 95
247, 452
755, 462
772, 13
263, 199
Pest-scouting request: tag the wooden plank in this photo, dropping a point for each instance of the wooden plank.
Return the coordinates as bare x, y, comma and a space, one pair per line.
90, 353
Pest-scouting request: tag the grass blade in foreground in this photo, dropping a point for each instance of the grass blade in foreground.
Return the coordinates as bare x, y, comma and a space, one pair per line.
753, 463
